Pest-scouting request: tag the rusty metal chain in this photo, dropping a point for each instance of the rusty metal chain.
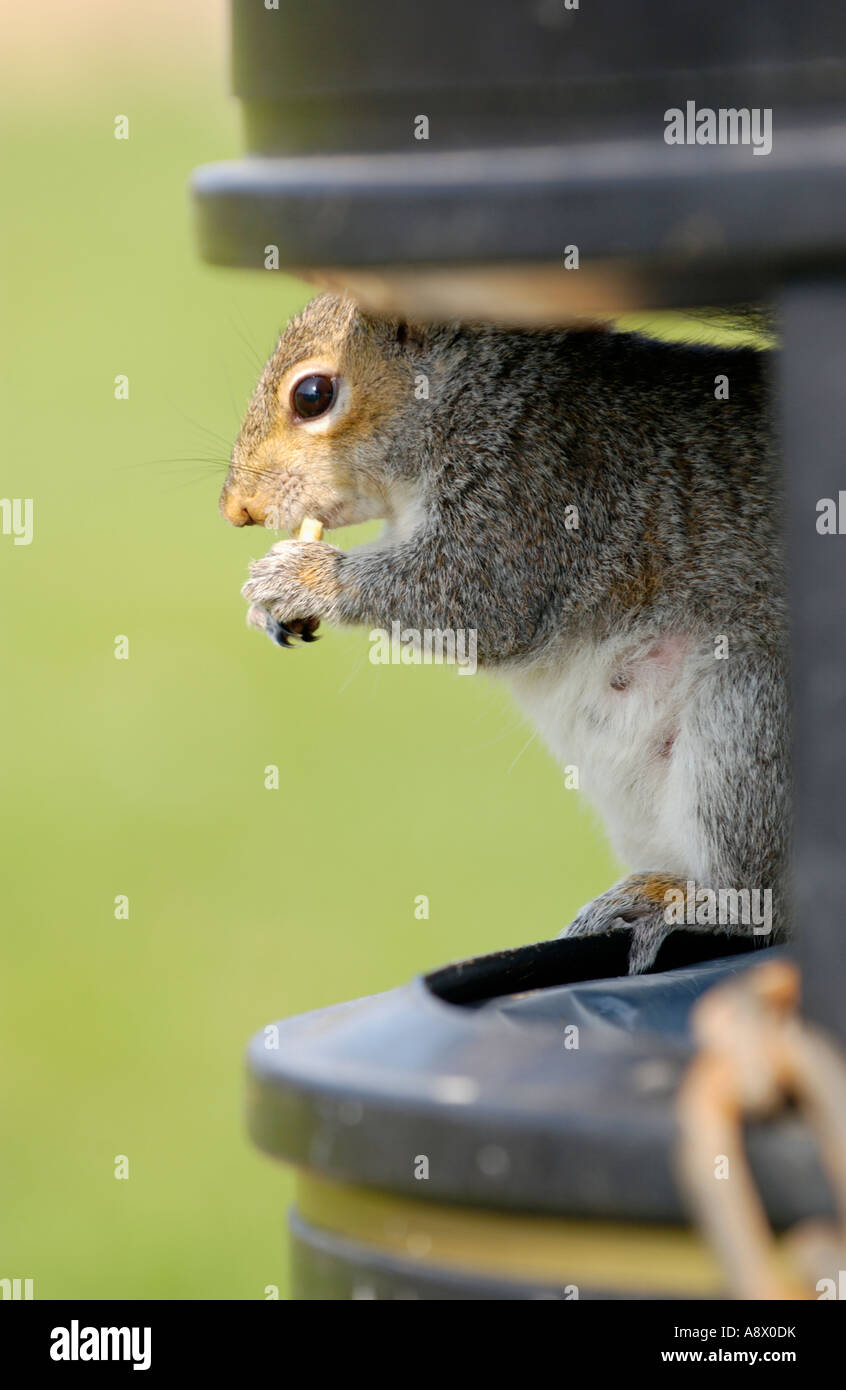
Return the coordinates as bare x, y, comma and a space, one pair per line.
757, 1055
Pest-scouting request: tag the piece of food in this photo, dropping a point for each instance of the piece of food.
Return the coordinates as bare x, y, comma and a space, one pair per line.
304, 628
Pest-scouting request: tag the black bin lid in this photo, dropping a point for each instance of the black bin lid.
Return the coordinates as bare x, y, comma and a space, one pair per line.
470, 1067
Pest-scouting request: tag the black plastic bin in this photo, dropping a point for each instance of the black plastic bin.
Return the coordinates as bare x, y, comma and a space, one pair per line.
505, 1128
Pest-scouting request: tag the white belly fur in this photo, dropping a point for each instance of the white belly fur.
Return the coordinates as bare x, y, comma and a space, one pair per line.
615, 738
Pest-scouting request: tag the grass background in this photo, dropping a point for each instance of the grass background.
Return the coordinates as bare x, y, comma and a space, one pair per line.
146, 777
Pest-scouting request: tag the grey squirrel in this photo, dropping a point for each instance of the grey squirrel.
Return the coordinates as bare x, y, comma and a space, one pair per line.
603, 510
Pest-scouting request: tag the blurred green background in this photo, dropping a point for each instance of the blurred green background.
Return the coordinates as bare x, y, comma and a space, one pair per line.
145, 777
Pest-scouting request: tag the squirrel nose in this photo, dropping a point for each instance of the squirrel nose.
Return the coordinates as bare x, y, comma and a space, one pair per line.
236, 511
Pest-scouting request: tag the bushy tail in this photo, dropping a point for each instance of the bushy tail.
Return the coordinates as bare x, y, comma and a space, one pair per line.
756, 319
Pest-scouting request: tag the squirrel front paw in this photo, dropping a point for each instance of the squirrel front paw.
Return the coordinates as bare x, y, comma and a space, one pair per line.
638, 904
291, 588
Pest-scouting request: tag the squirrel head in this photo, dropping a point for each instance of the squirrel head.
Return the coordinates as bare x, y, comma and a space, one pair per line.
327, 430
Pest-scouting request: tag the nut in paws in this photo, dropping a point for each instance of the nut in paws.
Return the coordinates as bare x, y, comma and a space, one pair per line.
290, 588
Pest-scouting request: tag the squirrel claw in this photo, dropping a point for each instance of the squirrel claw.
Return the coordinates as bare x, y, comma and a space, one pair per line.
306, 629
278, 632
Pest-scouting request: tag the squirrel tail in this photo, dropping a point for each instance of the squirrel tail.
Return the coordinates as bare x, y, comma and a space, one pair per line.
757, 319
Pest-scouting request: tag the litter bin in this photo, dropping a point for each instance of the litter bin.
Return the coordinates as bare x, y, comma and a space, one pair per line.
504, 1128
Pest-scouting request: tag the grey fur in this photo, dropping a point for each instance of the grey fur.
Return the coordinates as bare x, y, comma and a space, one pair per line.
678, 501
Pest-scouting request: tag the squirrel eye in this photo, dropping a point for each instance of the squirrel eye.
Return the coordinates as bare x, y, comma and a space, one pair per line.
313, 396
